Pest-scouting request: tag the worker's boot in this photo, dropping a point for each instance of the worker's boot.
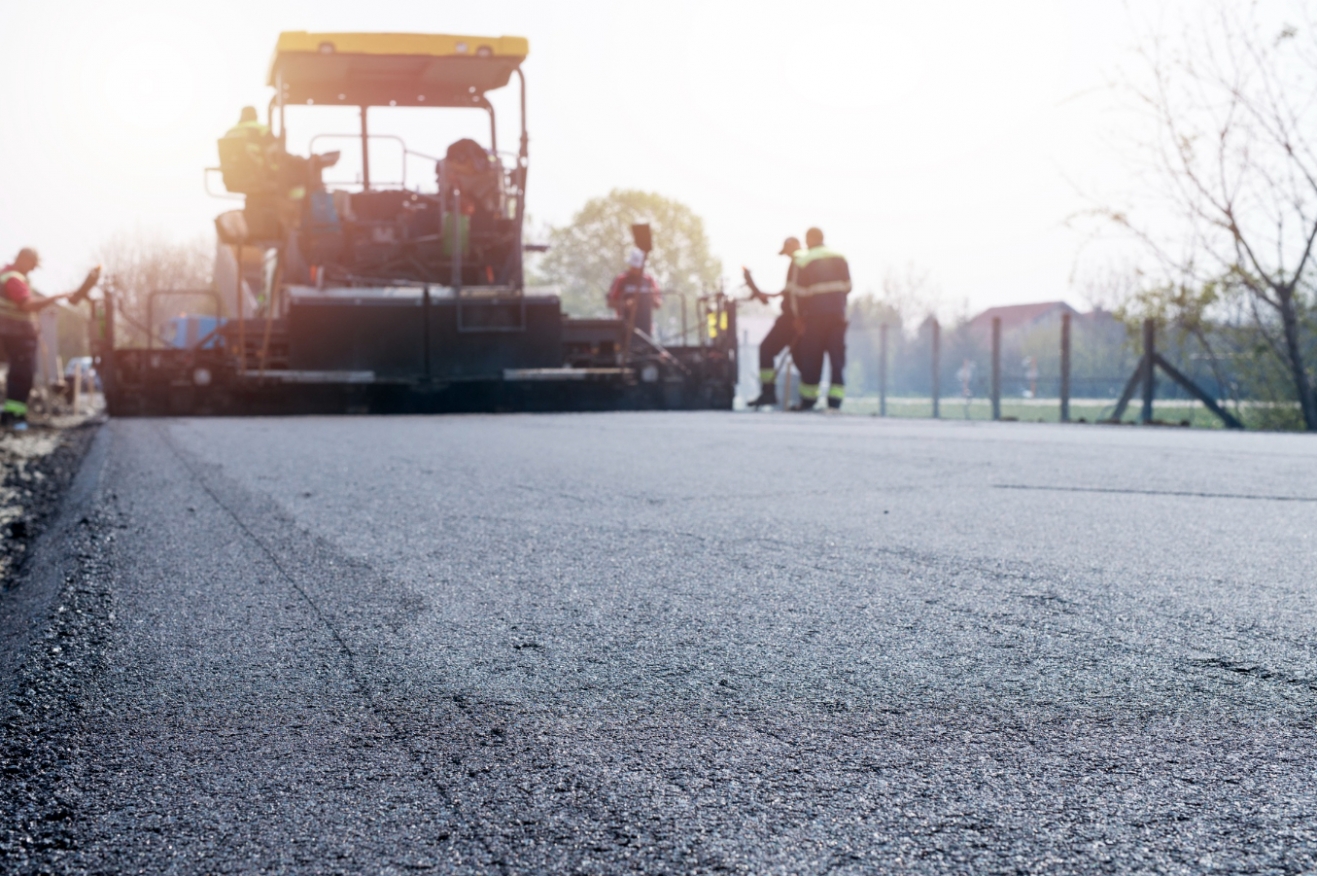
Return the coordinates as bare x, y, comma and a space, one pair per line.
767, 396
806, 404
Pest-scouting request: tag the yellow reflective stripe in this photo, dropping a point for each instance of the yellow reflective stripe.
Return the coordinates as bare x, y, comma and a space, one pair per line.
241, 129
809, 390
804, 256
14, 406
836, 391
824, 288
766, 375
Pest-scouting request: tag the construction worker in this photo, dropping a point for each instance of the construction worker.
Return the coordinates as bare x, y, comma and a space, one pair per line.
246, 159
18, 330
785, 329
634, 294
821, 284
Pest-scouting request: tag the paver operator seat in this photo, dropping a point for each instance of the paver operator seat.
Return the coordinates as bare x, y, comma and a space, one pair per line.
466, 234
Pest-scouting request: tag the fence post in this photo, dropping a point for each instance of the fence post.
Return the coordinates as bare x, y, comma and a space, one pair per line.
937, 344
1065, 368
882, 370
1149, 372
996, 367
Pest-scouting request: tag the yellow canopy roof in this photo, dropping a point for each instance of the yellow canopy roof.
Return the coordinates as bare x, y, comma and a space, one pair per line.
387, 69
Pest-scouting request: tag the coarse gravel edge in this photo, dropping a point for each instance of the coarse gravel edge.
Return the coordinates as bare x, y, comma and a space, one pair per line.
54, 624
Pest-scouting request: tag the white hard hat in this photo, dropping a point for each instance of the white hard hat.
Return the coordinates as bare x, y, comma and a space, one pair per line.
635, 258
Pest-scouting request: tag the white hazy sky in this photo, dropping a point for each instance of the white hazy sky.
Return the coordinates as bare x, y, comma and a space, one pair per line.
950, 134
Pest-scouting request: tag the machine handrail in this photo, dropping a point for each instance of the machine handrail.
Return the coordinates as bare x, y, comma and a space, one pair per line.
226, 196
150, 307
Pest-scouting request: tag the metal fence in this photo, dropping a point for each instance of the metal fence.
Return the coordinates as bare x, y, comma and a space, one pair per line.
952, 371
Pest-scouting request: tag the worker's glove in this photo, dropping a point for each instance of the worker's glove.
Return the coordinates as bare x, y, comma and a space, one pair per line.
93, 277
755, 294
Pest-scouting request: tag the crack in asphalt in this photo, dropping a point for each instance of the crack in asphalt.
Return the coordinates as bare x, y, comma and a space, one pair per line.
399, 738
1254, 670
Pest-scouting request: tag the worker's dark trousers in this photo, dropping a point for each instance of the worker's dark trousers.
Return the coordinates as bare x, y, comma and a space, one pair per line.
644, 305
21, 351
779, 337
822, 335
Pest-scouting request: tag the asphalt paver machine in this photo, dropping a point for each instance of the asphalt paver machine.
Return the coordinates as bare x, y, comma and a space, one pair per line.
369, 297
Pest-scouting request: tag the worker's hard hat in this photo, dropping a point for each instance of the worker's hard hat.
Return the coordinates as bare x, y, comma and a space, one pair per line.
814, 237
29, 253
635, 258
790, 245
248, 114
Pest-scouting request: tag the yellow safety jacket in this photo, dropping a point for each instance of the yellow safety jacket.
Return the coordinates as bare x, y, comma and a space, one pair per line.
821, 283
245, 158
13, 317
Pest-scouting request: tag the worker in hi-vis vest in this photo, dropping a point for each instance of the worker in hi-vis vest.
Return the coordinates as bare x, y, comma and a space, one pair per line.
820, 287
786, 328
18, 330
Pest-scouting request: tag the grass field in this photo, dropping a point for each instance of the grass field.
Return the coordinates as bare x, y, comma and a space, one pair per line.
1169, 411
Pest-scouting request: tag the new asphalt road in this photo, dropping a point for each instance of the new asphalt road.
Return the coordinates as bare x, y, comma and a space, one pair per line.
671, 643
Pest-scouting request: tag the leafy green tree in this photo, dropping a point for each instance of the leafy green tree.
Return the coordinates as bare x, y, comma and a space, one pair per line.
586, 254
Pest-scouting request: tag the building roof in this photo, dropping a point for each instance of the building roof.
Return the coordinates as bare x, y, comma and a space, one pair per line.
1015, 316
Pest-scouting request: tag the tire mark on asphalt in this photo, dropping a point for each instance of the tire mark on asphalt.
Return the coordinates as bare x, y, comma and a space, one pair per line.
400, 739
1193, 494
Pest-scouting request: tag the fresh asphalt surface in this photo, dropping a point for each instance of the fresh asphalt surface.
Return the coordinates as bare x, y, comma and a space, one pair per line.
681, 643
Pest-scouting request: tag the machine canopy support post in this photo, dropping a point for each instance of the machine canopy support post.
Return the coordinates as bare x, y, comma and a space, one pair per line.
996, 367
365, 153
882, 370
523, 167
1149, 372
456, 241
279, 95
1065, 368
937, 352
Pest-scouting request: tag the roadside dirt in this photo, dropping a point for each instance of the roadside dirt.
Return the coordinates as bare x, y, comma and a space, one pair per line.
37, 467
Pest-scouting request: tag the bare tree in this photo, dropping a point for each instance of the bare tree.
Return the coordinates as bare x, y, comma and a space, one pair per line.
1232, 157
138, 263
911, 295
